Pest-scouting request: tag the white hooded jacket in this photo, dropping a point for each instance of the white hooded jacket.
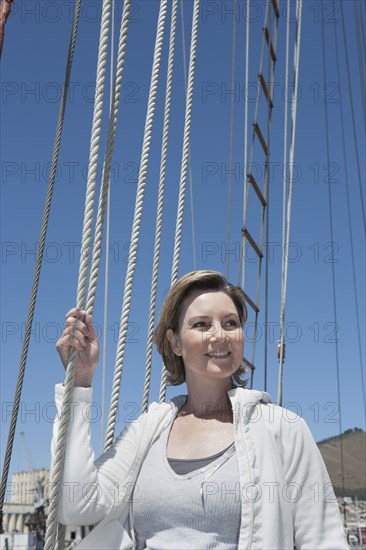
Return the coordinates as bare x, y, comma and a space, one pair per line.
287, 497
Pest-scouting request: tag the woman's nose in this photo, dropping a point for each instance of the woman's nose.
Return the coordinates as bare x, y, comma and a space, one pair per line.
217, 333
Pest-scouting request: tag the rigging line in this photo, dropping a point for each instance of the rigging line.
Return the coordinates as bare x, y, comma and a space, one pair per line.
93, 158
104, 192
332, 263
37, 269
350, 222
267, 189
159, 214
353, 116
107, 240
135, 232
60, 450
186, 138
265, 220
284, 197
289, 201
121, 55
231, 143
184, 165
245, 197
361, 58
105, 320
189, 161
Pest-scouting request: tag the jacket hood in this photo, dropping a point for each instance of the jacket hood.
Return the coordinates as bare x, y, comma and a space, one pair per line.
249, 396
241, 396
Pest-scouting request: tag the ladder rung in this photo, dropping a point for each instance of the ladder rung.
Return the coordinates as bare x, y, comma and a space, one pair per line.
256, 189
265, 89
261, 138
266, 34
248, 364
252, 242
250, 302
275, 8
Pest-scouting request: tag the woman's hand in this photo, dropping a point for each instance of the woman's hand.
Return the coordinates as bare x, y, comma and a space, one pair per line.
79, 333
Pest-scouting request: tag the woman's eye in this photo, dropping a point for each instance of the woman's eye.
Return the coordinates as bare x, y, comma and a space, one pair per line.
231, 324
201, 324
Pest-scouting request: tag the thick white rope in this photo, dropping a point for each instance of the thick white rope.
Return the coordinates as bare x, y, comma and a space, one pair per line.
121, 55
184, 165
60, 537
189, 159
107, 240
186, 139
159, 216
94, 153
37, 269
50, 543
132, 257
289, 202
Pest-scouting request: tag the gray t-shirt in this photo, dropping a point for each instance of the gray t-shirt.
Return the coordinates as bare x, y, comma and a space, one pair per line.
194, 511
183, 466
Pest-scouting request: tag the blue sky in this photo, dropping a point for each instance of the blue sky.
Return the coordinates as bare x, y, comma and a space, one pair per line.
32, 73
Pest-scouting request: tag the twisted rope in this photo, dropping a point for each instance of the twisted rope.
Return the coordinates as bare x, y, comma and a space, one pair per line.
37, 270
189, 159
136, 226
121, 55
107, 239
61, 531
184, 165
93, 157
159, 217
51, 532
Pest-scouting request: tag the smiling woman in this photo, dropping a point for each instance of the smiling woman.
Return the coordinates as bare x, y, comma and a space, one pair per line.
203, 306
221, 467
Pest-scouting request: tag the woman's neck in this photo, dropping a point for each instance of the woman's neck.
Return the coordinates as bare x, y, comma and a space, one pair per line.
208, 399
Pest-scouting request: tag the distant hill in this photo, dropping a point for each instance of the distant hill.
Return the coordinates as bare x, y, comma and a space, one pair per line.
354, 460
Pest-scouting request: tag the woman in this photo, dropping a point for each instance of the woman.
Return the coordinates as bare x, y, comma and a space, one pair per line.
220, 468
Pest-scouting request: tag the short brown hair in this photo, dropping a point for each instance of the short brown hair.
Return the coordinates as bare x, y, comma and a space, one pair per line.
170, 312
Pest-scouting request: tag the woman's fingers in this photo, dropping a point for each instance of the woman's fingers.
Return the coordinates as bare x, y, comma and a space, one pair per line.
75, 333
76, 312
73, 337
79, 333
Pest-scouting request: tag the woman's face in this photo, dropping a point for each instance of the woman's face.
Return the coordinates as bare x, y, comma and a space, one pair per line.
210, 337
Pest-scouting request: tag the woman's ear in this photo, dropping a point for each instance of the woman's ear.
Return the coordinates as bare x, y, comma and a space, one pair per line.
173, 339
